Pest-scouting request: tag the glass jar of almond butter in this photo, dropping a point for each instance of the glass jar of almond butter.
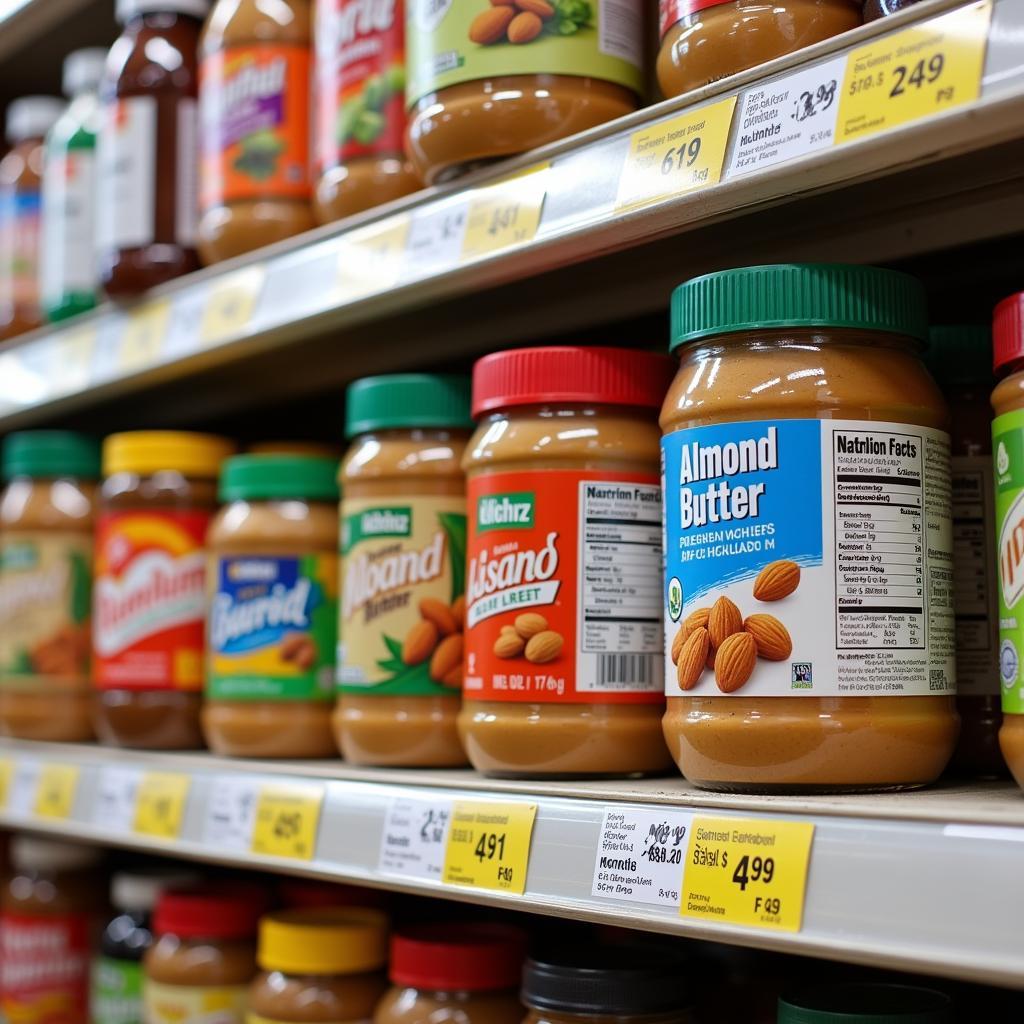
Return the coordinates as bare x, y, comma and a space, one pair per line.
403, 567
809, 578
563, 628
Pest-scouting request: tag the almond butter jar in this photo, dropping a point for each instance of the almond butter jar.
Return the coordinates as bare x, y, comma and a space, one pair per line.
563, 629
809, 577
403, 567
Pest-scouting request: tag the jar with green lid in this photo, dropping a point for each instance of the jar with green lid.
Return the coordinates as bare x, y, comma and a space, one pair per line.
272, 621
867, 1003
46, 532
809, 573
403, 564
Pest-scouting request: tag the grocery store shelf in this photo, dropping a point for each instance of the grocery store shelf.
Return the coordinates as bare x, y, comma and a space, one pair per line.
428, 275
927, 881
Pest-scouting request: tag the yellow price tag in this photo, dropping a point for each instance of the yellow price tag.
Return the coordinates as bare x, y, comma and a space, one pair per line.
370, 259
489, 845
55, 791
143, 336
160, 804
73, 354
923, 70
747, 871
506, 214
6, 774
230, 304
286, 821
682, 154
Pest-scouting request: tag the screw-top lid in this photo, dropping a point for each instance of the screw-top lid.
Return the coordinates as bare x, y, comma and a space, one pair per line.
131, 890
224, 911
458, 957
48, 454
270, 477
1008, 331
607, 982
960, 354
150, 451
83, 70
407, 400
572, 375
32, 117
867, 1003
798, 295
125, 10
331, 940
29, 853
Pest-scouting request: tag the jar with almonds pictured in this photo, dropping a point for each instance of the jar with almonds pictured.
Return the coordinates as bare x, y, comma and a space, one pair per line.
808, 564
563, 621
403, 568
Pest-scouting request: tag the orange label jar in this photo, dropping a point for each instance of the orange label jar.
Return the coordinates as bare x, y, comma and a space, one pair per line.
563, 670
157, 500
46, 531
403, 567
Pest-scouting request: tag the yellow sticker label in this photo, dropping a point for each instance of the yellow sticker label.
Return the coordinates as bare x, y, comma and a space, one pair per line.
370, 259
682, 154
142, 339
160, 804
55, 791
73, 355
489, 845
6, 774
505, 214
286, 822
923, 70
747, 871
230, 304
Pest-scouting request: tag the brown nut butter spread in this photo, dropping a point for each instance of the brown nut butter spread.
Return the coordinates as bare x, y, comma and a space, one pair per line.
808, 578
563, 669
319, 966
273, 612
403, 545
46, 536
705, 40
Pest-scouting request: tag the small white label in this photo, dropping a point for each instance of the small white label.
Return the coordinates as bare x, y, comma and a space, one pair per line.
435, 241
126, 151
116, 798
621, 30
231, 814
69, 222
24, 788
414, 839
641, 855
187, 187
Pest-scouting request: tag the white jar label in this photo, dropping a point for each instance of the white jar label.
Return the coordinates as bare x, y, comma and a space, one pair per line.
69, 217
126, 217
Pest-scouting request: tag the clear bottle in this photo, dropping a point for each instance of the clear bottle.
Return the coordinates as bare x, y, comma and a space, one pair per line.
69, 277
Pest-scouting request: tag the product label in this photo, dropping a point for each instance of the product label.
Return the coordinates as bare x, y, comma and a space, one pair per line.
817, 554
44, 968
126, 157
69, 219
273, 626
451, 42
150, 600
254, 115
45, 603
562, 597
19, 248
200, 1004
116, 994
186, 206
670, 12
360, 69
403, 573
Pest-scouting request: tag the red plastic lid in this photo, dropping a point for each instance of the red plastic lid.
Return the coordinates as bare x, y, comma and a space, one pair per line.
302, 893
1008, 331
563, 373
210, 911
458, 957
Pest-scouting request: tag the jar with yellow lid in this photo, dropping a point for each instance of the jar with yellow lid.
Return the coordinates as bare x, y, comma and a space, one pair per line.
157, 499
319, 966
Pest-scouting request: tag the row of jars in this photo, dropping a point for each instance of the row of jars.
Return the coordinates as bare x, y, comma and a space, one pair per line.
195, 141
502, 598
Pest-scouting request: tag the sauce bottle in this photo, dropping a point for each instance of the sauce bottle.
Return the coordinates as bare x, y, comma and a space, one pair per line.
146, 217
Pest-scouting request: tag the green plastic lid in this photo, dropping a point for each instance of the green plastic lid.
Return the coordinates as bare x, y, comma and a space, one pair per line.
867, 1003
960, 353
798, 295
407, 400
279, 477
51, 453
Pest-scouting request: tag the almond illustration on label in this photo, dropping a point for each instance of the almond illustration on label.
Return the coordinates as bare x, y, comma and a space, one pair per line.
298, 649
777, 580
509, 644
419, 643
446, 658
771, 637
459, 612
491, 25
734, 661
677, 644
539, 7
524, 28
544, 647
692, 658
724, 619
440, 615
530, 624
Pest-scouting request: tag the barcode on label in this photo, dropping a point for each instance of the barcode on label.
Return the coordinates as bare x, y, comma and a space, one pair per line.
620, 28
627, 670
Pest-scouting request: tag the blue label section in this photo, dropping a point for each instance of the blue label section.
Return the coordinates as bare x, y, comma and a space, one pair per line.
737, 496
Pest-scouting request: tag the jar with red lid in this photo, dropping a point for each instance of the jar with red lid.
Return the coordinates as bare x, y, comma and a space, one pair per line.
463, 973
563, 675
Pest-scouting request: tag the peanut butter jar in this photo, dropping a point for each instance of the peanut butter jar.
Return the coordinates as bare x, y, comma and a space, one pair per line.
46, 531
808, 552
563, 671
403, 566
319, 966
273, 610
489, 80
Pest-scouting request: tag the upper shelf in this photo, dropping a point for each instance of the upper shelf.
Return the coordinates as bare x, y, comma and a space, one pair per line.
813, 156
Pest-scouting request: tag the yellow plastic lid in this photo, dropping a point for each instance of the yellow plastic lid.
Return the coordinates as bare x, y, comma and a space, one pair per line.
327, 940
150, 451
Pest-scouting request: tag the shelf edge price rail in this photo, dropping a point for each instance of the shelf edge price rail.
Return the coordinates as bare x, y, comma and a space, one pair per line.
489, 845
